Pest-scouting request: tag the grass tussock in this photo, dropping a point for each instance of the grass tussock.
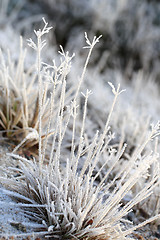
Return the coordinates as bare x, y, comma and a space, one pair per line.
66, 197
19, 98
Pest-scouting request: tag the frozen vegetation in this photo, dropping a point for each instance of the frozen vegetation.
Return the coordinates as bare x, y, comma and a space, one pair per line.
79, 131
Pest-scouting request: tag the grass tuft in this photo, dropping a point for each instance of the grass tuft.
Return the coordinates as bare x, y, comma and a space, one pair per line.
66, 197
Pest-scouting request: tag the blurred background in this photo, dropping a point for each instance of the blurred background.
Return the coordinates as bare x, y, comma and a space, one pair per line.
130, 29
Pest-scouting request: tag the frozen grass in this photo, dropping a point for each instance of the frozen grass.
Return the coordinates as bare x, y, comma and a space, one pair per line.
133, 120
67, 198
19, 101
70, 205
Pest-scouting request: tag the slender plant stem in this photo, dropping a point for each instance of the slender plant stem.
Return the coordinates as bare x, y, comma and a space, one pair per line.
40, 99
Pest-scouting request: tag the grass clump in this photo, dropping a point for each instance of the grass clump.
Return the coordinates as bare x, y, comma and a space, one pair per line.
64, 196
19, 98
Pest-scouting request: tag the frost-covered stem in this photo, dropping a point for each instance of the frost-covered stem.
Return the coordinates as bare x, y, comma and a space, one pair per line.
57, 155
40, 97
49, 121
58, 123
53, 142
122, 139
86, 210
19, 145
98, 148
118, 156
82, 129
91, 46
66, 179
52, 106
38, 48
73, 129
90, 155
110, 114
83, 73
61, 113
